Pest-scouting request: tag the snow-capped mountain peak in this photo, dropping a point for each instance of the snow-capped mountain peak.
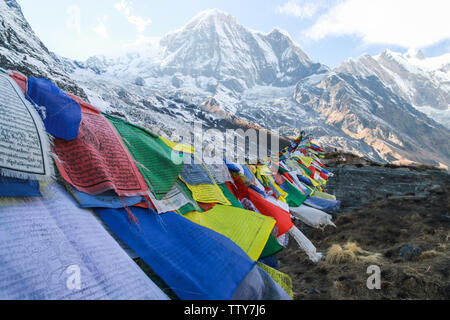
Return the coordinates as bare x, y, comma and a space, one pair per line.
211, 17
421, 81
214, 46
415, 54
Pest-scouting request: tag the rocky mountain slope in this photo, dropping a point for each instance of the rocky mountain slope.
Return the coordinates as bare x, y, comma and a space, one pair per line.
21, 49
385, 126
213, 44
267, 80
422, 82
214, 49
225, 76
358, 181
162, 112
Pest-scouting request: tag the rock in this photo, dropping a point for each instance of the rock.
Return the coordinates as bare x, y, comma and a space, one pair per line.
21, 50
177, 82
312, 290
410, 252
358, 186
139, 81
436, 188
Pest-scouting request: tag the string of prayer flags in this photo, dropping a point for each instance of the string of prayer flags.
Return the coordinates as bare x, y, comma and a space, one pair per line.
62, 113
196, 262
97, 161
201, 227
249, 230
158, 163
24, 144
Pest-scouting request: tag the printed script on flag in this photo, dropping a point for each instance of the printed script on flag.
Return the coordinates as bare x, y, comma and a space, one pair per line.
97, 161
24, 148
45, 244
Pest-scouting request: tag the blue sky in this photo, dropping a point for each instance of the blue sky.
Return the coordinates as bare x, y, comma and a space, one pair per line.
329, 31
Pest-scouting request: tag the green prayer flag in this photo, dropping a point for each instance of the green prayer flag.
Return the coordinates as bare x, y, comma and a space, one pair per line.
230, 196
307, 171
188, 207
272, 248
296, 198
153, 157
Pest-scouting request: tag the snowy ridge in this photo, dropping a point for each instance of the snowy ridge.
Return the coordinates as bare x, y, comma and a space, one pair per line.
226, 76
21, 49
423, 82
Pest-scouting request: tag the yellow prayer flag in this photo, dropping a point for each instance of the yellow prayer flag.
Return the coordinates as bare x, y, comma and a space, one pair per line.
323, 195
281, 278
248, 229
307, 161
207, 193
178, 146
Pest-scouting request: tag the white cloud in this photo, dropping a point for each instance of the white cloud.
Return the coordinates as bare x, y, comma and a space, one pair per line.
303, 9
101, 28
125, 7
406, 23
140, 23
73, 21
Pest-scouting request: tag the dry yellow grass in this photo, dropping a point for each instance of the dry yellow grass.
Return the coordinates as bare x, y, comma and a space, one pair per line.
353, 246
350, 253
337, 255
428, 254
372, 258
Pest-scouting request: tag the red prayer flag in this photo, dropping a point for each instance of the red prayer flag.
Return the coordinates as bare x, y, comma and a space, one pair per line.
85, 107
98, 161
20, 79
282, 217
